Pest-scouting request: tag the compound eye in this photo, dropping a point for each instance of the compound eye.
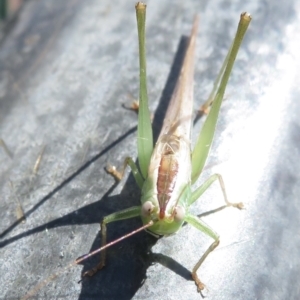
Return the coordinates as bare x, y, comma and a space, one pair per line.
179, 214
147, 208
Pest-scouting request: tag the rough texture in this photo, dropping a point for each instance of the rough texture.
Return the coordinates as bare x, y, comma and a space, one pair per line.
66, 68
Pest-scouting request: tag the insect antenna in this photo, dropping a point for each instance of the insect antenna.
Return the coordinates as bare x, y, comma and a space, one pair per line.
34, 290
86, 256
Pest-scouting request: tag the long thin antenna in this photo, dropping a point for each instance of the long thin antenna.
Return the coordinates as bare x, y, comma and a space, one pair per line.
33, 291
85, 256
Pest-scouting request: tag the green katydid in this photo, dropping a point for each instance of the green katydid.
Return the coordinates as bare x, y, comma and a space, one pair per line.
167, 171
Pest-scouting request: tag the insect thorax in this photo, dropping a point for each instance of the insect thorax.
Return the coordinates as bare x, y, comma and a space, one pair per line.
172, 156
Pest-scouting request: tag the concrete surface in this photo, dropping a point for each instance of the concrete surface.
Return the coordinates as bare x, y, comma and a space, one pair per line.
66, 69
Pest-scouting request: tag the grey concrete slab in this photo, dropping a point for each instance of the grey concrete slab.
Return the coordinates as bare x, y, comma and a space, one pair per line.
66, 69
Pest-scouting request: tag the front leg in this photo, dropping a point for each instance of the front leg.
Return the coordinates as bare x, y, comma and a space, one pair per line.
202, 226
128, 213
